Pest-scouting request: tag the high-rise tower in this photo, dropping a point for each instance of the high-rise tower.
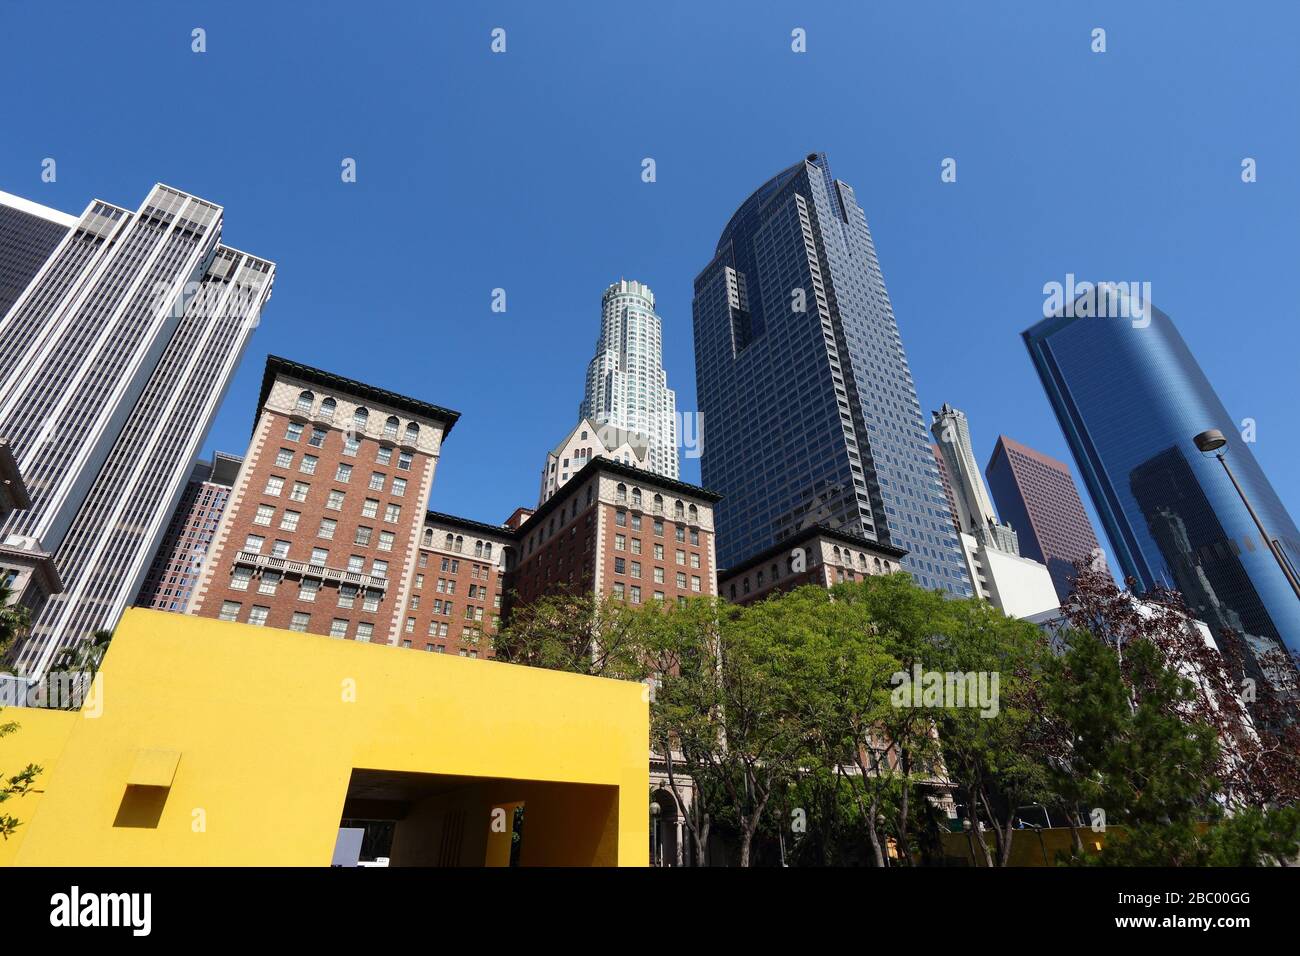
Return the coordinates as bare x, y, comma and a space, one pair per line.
113, 361
803, 382
627, 389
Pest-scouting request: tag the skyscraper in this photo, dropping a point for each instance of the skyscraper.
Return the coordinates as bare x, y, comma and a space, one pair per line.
1036, 495
113, 361
29, 232
804, 386
1130, 396
627, 387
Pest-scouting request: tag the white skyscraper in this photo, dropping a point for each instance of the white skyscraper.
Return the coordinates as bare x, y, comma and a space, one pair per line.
626, 384
113, 360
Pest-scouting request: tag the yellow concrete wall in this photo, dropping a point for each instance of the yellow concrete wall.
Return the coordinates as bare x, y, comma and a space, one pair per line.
269, 725
39, 739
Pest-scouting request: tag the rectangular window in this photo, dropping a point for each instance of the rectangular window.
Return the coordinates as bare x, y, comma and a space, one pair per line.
370, 508
392, 514
284, 458
339, 627
264, 514
293, 432
636, 569
618, 590
299, 492
289, 520
620, 542
274, 485
636, 545
619, 566
307, 589
254, 543
695, 559
356, 564
404, 461
384, 456
376, 481
320, 556
299, 621
399, 487
257, 615
364, 631
280, 549
351, 446
229, 611
362, 536
620, 518
335, 500
347, 595
327, 526
317, 437
308, 466
386, 539
239, 579
636, 594
695, 582
269, 582
343, 473
659, 575
369, 600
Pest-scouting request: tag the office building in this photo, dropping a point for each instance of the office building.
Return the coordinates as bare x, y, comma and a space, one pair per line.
627, 392
1036, 494
113, 360
29, 233
176, 566
1130, 396
804, 386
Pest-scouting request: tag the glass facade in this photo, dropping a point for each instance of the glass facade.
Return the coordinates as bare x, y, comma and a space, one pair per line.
1130, 396
810, 415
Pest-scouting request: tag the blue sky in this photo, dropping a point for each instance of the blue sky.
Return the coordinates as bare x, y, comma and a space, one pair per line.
522, 171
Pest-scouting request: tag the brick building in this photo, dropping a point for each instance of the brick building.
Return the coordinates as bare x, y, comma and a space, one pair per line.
817, 555
457, 589
617, 531
323, 528
179, 561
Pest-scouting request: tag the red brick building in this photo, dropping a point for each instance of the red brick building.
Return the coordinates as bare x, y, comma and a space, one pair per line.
817, 555
323, 527
617, 531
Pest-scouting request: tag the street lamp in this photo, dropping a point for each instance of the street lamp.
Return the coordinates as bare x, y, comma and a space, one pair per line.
1212, 441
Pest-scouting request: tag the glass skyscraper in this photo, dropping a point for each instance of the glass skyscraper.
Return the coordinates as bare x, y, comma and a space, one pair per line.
1129, 396
810, 415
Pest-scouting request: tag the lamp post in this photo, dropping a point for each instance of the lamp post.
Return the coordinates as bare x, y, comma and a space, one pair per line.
1212, 441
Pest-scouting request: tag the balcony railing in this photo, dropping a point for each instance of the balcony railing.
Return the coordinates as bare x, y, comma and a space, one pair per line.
306, 568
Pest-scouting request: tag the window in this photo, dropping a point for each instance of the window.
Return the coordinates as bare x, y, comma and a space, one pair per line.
327, 409
327, 526
289, 520
399, 487
695, 559
620, 542
695, 582
618, 590
307, 589
351, 445
659, 575
320, 556
317, 437
364, 631
254, 543
681, 533
410, 625
620, 566
376, 481
659, 528
274, 485
659, 552
370, 508
304, 402
284, 458
681, 556
339, 627
280, 549
390, 426
369, 600
620, 518
257, 615
343, 473
308, 466
363, 534
299, 492
335, 500
239, 579
412, 433
393, 514
359, 418
404, 460
636, 569
300, 619
636, 545
636, 594
293, 432
386, 539
681, 580
264, 515
379, 569
269, 582
356, 564
229, 611
695, 537
384, 455
347, 595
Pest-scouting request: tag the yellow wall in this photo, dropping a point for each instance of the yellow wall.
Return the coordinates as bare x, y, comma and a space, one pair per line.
269, 724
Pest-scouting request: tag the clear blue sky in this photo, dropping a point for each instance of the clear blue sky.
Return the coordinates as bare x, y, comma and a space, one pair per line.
522, 171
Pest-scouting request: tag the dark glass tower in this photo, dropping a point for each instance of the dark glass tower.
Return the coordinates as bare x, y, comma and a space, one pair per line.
807, 399
1129, 397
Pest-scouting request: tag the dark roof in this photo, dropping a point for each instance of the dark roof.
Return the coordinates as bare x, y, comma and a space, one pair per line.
328, 380
481, 527
785, 544
627, 471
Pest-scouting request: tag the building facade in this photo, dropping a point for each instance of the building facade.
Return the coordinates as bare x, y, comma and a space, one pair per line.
822, 557
627, 388
113, 361
29, 234
176, 566
322, 531
812, 412
586, 441
1129, 397
1037, 495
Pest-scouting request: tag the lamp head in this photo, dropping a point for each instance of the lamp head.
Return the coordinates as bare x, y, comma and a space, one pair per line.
1211, 440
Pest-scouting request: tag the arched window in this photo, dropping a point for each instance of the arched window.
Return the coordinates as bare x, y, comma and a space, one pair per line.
877, 565
412, 433
305, 400
620, 492
659, 504
428, 537
360, 417
836, 552
478, 549
460, 543
678, 511
327, 409
390, 426
636, 497
695, 514
487, 550
450, 543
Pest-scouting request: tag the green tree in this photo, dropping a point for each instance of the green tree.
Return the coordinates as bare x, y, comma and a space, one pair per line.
14, 622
